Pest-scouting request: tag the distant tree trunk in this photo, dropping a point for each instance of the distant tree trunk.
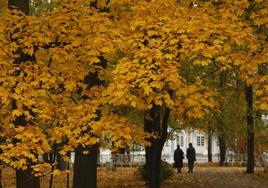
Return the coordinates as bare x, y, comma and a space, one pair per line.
221, 132
52, 161
68, 176
250, 130
46, 158
154, 123
61, 164
209, 145
85, 168
222, 145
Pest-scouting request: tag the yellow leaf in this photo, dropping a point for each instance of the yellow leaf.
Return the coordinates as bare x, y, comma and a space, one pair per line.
16, 112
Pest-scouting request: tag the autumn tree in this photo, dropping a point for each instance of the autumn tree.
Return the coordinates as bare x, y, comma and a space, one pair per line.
242, 54
53, 95
256, 14
148, 77
208, 34
24, 177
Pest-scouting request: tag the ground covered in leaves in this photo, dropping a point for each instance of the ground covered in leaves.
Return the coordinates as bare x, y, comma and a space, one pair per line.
203, 177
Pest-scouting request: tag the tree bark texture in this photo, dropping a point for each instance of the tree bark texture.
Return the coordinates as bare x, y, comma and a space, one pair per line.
222, 145
155, 122
250, 130
25, 179
22, 5
221, 131
85, 168
209, 145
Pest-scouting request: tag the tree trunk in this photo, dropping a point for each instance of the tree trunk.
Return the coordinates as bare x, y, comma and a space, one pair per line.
0, 175
222, 145
61, 164
153, 152
221, 131
153, 160
250, 130
22, 5
68, 176
85, 168
53, 156
154, 123
25, 179
209, 145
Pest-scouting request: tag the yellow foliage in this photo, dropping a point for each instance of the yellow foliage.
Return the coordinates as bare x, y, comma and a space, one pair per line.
151, 41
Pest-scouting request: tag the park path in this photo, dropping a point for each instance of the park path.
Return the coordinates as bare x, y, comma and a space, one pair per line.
216, 177
203, 177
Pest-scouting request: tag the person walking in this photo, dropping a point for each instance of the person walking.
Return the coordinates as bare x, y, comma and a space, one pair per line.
191, 157
178, 158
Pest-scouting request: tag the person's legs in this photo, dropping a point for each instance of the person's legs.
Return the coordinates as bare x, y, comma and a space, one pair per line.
189, 166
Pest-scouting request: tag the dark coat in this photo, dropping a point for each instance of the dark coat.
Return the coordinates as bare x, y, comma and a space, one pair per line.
178, 158
191, 154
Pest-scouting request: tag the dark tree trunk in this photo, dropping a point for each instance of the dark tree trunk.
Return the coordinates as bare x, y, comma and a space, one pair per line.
46, 158
53, 156
221, 131
85, 165
68, 176
22, 5
153, 152
85, 168
25, 179
61, 164
0, 176
153, 160
154, 123
250, 130
209, 145
222, 145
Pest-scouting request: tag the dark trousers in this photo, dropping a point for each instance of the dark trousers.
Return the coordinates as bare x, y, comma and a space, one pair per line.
190, 166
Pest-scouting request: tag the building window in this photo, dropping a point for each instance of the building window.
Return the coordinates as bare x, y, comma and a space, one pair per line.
200, 140
180, 140
138, 148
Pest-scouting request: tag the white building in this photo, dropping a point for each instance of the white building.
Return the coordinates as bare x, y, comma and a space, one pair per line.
184, 137
199, 139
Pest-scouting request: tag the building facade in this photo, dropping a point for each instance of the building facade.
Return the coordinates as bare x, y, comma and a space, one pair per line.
199, 140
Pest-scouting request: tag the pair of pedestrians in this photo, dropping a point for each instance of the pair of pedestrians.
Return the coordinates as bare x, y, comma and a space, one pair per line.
179, 156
